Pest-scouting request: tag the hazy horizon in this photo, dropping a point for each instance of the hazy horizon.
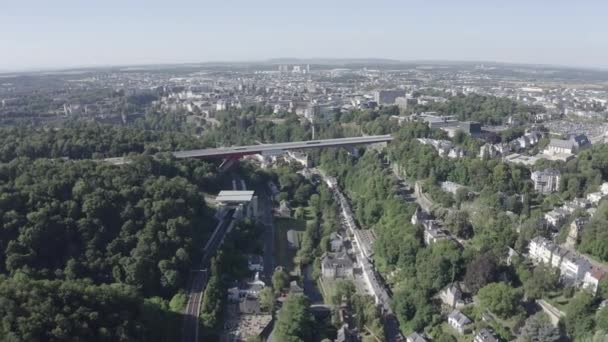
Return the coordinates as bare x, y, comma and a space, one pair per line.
70, 33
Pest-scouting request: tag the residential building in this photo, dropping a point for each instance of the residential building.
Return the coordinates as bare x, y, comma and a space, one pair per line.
540, 250
401, 102
494, 150
556, 217
575, 229
337, 265
558, 256
255, 263
387, 97
433, 232
573, 144
485, 335
336, 242
459, 321
250, 288
577, 203
604, 188
433, 235
546, 181
572, 267
415, 337
420, 216
451, 295
445, 148
595, 197
592, 279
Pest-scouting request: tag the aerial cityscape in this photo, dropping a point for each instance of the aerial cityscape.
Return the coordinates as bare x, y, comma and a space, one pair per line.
340, 199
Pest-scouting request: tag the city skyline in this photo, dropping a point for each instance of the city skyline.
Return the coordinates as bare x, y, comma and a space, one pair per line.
73, 34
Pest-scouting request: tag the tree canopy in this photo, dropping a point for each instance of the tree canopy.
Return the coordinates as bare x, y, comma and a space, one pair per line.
294, 322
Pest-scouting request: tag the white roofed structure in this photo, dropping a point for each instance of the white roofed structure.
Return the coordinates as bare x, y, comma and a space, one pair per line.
234, 196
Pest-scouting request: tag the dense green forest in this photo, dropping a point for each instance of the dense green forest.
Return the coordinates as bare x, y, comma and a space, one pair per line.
104, 247
55, 310
490, 110
84, 140
136, 224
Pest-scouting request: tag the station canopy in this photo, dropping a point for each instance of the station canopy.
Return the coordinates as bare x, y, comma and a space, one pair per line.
234, 196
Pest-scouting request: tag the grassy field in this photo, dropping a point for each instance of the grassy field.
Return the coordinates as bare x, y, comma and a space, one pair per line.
448, 330
557, 299
328, 288
285, 254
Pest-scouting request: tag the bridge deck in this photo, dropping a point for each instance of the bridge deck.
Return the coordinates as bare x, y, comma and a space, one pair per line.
298, 145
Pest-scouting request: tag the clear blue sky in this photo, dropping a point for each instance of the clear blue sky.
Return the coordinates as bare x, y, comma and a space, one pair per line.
60, 33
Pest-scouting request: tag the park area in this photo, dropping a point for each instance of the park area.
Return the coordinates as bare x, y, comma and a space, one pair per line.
289, 232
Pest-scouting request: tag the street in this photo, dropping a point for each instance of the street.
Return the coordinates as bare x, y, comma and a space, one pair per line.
375, 285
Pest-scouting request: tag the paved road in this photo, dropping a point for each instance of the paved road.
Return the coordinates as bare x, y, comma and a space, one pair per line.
267, 149
280, 147
376, 285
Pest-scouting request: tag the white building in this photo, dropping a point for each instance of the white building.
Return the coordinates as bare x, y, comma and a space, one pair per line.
592, 279
433, 232
604, 188
556, 217
595, 197
337, 265
459, 321
540, 250
248, 289
546, 181
571, 145
572, 267
445, 148
451, 296
415, 337
485, 335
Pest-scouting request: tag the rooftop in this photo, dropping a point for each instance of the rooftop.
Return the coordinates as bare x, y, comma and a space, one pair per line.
234, 196
460, 318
